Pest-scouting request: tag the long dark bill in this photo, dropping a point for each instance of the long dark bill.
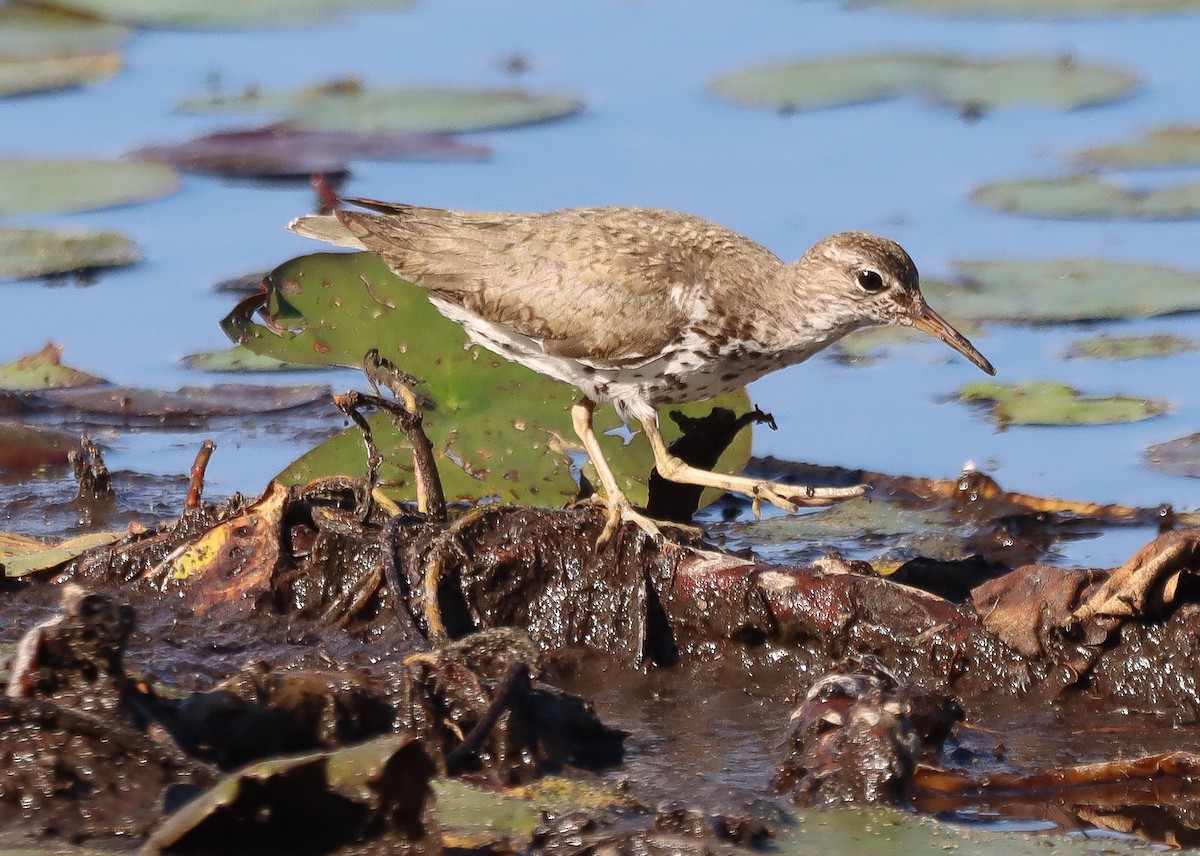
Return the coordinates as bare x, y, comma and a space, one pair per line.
938, 327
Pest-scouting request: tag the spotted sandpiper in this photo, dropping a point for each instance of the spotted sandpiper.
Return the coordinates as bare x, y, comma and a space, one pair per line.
643, 308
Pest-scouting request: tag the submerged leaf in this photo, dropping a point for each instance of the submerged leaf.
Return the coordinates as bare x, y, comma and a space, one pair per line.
1053, 290
186, 404
969, 84
1046, 403
31, 253
43, 370
498, 429
64, 186
281, 151
1106, 347
27, 447
1086, 197
1179, 457
350, 106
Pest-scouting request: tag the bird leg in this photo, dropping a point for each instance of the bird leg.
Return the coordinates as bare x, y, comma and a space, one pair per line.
619, 506
789, 497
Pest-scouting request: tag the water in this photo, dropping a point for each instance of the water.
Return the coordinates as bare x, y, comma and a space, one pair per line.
652, 136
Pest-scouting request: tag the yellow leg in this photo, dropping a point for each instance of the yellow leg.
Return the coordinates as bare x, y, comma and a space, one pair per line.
619, 506
786, 496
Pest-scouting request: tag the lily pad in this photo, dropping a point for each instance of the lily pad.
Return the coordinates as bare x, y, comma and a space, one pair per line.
968, 84
189, 403
1086, 197
47, 556
207, 14
1039, 8
31, 253
31, 32
239, 359
43, 370
347, 105
1106, 347
499, 429
1057, 290
27, 447
1179, 457
281, 151
1173, 145
1047, 403
65, 186
45, 74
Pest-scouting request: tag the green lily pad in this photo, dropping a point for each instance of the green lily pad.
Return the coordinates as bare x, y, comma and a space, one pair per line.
964, 83
1179, 457
43, 370
32, 253
499, 429
206, 14
52, 555
32, 32
239, 359
45, 74
866, 346
1047, 403
1106, 347
347, 105
1086, 197
1040, 8
1173, 145
65, 186
1058, 290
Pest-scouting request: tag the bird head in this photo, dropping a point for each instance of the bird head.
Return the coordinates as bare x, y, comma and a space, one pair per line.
877, 283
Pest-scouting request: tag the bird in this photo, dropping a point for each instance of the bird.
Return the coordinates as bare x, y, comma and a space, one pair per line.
641, 308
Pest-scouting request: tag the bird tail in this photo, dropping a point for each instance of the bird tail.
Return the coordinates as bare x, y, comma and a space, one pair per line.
326, 227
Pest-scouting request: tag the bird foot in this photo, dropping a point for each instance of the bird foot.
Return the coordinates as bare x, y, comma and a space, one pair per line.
622, 511
793, 497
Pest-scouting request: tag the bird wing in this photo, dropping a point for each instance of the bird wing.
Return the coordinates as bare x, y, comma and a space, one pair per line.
611, 287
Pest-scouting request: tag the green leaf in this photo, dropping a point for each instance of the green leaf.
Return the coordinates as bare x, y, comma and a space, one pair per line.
1047, 403
43, 74
65, 186
1086, 197
499, 429
966, 84
1173, 145
1106, 347
32, 32
1040, 8
238, 359
31, 253
43, 370
1056, 290
207, 14
349, 106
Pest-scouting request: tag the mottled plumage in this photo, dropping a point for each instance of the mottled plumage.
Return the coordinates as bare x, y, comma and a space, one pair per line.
642, 307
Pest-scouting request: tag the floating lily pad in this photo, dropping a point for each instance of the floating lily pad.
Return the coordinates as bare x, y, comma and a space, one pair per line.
864, 347
977, 85
1086, 197
1106, 347
43, 370
349, 106
1179, 457
206, 14
499, 429
65, 186
44, 74
187, 404
31, 32
1174, 145
1056, 290
46, 556
1039, 8
31, 253
281, 151
239, 359
1046, 403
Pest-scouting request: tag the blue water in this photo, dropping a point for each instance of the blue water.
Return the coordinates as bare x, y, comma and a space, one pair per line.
652, 136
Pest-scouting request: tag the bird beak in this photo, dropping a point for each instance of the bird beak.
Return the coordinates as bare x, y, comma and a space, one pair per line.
935, 325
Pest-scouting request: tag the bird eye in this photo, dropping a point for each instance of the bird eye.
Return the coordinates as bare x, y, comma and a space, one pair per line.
869, 281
